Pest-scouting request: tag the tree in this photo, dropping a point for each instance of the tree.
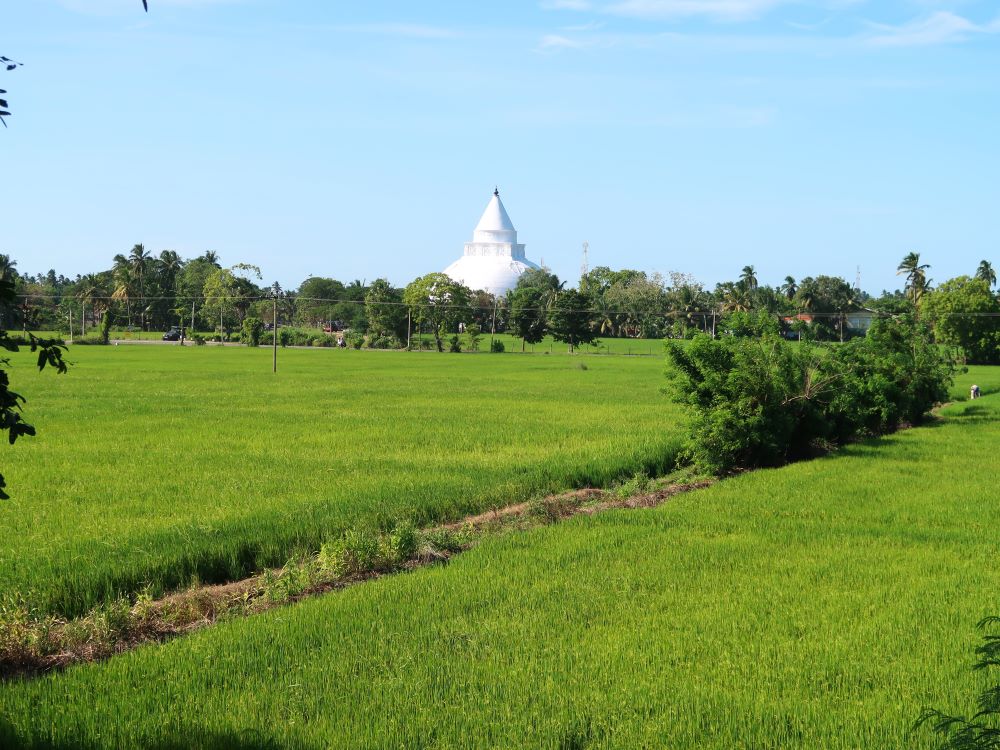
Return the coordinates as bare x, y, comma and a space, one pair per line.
435, 300
748, 277
49, 354
962, 310
917, 283
640, 304
986, 273
571, 320
317, 296
789, 287
386, 314
528, 319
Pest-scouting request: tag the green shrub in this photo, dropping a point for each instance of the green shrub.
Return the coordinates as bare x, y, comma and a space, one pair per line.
384, 342
475, 334
764, 401
354, 339
496, 346
455, 345
253, 329
90, 339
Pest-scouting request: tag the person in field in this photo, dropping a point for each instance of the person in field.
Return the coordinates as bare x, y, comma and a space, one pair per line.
975, 392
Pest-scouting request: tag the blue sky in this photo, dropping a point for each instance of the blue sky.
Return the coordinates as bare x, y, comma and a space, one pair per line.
363, 139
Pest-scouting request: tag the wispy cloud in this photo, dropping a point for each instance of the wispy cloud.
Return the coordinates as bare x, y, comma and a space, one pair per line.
567, 5
942, 27
722, 10
551, 42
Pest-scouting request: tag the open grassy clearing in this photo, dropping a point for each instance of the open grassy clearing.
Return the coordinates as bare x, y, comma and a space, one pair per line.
157, 464
818, 605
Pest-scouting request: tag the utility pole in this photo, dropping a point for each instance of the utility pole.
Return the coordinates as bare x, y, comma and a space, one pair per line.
493, 325
274, 331
408, 326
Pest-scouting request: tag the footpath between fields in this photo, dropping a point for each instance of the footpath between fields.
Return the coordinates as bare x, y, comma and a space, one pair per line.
32, 645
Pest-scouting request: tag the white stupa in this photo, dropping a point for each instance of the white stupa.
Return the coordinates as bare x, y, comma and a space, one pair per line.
493, 261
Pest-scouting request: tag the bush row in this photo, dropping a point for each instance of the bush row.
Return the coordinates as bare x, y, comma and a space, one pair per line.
766, 401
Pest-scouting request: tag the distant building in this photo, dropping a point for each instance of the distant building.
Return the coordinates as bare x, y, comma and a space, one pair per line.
493, 261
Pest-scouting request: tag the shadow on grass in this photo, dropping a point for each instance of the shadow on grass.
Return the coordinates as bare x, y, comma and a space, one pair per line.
191, 739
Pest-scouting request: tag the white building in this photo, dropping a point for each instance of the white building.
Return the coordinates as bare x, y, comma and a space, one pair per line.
493, 261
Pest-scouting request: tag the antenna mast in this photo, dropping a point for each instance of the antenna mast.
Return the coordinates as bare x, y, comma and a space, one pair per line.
585, 265
857, 280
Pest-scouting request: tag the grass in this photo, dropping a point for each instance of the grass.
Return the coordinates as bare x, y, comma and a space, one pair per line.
162, 465
818, 605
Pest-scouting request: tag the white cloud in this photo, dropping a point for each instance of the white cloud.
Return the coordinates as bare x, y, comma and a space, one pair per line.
722, 10
556, 42
942, 27
567, 5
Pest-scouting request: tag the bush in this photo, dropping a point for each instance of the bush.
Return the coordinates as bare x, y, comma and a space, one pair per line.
764, 402
90, 339
354, 339
253, 329
198, 339
496, 346
475, 334
455, 345
384, 342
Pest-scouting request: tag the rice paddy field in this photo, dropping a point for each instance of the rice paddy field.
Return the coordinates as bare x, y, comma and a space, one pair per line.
158, 465
820, 605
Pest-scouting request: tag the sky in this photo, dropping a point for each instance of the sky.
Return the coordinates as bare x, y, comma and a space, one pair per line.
364, 139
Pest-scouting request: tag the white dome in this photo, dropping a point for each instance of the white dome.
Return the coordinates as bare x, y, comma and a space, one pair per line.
496, 275
493, 261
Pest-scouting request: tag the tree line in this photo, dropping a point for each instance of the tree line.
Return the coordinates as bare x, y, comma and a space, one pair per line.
144, 291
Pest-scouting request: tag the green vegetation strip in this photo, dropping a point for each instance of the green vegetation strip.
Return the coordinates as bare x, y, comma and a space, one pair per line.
818, 605
31, 645
157, 466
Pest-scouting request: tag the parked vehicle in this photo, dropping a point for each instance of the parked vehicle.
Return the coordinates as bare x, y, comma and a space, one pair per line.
174, 334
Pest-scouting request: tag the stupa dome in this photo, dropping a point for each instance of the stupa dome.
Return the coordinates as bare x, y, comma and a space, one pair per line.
493, 261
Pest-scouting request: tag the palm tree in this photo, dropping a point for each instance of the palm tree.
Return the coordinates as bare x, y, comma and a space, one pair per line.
139, 261
734, 297
916, 277
90, 293
986, 273
789, 288
212, 257
7, 266
749, 278
123, 284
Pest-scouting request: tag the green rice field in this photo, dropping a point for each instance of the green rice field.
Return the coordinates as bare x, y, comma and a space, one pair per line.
156, 465
820, 605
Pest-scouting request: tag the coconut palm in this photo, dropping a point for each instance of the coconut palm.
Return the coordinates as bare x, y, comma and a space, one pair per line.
139, 261
917, 282
124, 284
986, 273
91, 293
748, 278
735, 297
789, 287
7, 266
